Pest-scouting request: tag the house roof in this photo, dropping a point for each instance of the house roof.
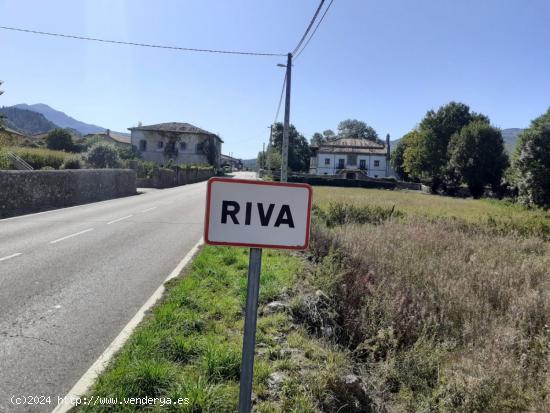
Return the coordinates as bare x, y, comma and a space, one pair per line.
179, 127
352, 145
118, 137
11, 131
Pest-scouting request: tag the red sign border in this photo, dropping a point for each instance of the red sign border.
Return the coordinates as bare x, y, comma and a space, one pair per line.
252, 182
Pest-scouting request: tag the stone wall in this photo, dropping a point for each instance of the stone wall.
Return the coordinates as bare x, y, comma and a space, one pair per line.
26, 191
168, 178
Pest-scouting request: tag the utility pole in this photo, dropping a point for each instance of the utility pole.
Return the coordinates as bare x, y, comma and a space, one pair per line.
263, 156
284, 162
268, 147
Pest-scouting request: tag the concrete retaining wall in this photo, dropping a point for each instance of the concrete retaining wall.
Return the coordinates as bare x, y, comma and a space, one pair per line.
168, 178
22, 191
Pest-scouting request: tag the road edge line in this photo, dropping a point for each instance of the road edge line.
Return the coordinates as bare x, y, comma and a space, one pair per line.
88, 378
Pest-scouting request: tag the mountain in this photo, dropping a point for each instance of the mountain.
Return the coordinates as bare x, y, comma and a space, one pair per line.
61, 119
26, 121
510, 137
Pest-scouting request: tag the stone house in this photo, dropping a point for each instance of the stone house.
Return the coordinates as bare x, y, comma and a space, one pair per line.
351, 158
182, 143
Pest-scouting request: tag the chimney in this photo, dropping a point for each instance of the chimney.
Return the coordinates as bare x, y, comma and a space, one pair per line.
388, 145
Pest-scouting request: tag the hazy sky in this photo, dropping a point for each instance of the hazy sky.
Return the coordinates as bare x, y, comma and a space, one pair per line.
382, 61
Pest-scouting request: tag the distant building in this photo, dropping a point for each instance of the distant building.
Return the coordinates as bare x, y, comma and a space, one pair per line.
182, 143
117, 139
234, 163
351, 158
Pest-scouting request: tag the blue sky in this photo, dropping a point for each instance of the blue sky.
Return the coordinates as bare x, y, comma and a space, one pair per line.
382, 61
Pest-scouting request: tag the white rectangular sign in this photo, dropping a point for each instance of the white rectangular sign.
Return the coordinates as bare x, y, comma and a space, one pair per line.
257, 214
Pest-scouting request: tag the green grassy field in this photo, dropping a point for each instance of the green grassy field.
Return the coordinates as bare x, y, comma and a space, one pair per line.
439, 315
502, 216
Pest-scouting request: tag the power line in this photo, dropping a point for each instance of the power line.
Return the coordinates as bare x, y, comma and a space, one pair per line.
309, 27
280, 100
314, 30
186, 49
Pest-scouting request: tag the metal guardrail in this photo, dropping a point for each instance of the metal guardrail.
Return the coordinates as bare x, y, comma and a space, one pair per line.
19, 163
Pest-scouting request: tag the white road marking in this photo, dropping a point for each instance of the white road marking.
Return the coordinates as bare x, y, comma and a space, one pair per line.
10, 256
72, 235
119, 219
87, 380
149, 209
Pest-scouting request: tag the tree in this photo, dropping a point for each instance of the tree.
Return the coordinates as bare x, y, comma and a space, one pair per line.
532, 162
397, 159
353, 128
60, 140
103, 155
427, 156
317, 139
477, 156
329, 134
298, 148
129, 152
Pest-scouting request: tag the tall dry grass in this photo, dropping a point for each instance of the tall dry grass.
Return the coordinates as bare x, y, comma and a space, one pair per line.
440, 318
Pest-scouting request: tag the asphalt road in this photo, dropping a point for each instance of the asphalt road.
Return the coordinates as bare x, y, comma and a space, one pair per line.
70, 280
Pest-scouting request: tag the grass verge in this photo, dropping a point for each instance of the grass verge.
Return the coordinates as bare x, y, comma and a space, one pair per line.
190, 345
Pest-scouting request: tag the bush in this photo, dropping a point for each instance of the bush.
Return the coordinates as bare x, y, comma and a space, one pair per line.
343, 214
5, 162
40, 158
103, 155
60, 140
130, 152
72, 162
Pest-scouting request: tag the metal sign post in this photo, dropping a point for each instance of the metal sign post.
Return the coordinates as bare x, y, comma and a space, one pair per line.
249, 340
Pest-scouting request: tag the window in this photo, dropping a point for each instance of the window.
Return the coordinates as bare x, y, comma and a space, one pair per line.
362, 164
376, 163
341, 163
327, 161
143, 145
183, 145
352, 160
160, 144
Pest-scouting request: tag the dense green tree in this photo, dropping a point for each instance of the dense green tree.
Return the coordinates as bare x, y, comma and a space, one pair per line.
129, 152
427, 156
103, 155
398, 156
532, 162
419, 157
60, 140
317, 139
353, 128
298, 148
329, 134
477, 156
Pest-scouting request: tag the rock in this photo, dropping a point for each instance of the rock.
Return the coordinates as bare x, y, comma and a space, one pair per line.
356, 386
351, 379
276, 379
327, 332
274, 307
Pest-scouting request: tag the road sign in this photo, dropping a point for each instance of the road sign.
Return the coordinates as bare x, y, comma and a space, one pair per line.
257, 214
